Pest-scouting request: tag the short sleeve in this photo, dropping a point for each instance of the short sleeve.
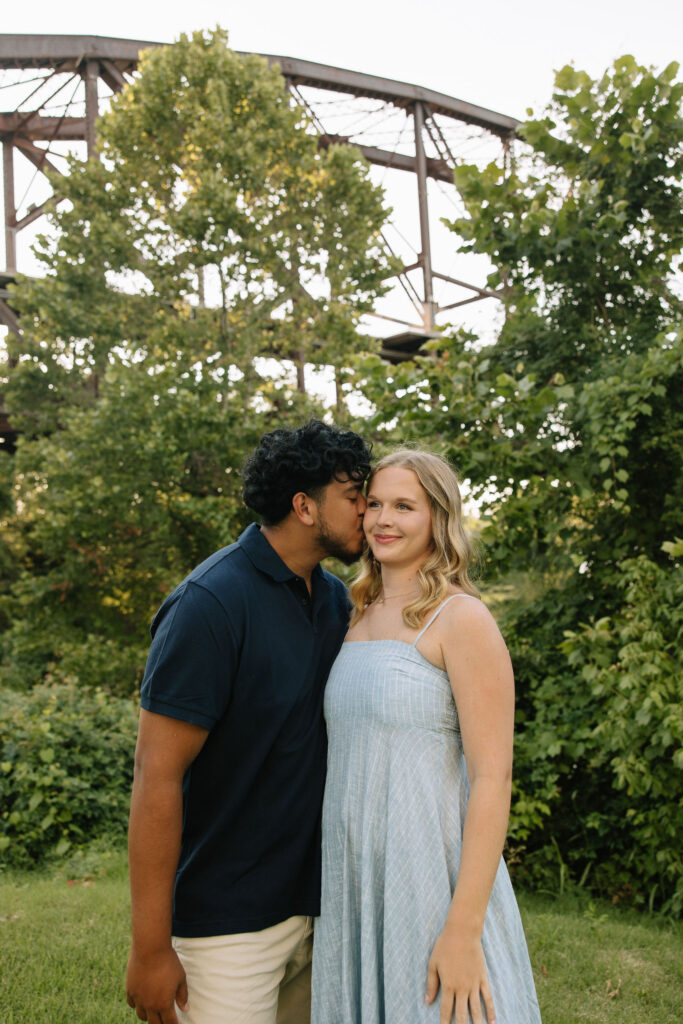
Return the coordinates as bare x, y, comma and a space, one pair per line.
192, 660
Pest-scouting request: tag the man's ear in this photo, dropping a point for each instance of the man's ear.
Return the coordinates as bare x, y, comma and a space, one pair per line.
305, 508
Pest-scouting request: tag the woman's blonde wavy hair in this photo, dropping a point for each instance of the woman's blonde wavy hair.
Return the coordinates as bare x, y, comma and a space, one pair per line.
448, 562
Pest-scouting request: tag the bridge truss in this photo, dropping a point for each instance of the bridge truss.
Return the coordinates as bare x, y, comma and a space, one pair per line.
52, 89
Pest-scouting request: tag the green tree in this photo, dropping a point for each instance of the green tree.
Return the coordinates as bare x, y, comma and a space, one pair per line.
212, 225
211, 232
584, 228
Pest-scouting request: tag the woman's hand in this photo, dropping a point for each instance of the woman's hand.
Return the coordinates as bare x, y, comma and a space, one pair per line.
457, 965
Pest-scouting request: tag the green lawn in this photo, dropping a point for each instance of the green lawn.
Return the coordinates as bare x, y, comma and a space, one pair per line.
595, 963
63, 947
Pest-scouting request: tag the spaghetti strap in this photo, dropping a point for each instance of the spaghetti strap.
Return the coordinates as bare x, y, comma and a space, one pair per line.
435, 615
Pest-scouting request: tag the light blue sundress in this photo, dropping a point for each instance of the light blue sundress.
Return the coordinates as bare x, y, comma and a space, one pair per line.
393, 816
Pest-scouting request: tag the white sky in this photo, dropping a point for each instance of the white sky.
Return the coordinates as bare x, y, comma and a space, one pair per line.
499, 54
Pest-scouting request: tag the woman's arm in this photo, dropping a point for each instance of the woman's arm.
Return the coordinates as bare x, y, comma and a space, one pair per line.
480, 673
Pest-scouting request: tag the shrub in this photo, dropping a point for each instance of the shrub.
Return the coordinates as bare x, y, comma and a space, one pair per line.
599, 746
66, 767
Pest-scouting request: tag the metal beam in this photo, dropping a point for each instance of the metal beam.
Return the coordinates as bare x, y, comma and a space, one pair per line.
9, 207
74, 129
463, 284
36, 212
92, 107
324, 76
397, 320
34, 51
466, 302
437, 169
112, 76
426, 253
38, 157
9, 318
41, 128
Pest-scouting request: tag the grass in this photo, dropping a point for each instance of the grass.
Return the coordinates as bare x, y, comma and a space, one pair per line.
596, 964
63, 944
64, 940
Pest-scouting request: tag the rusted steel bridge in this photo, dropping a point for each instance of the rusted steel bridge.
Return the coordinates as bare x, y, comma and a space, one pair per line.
52, 89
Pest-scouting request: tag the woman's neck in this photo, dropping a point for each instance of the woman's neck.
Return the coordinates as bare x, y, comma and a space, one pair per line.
400, 582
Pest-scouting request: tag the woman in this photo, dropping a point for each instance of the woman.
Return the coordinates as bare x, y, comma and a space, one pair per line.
419, 922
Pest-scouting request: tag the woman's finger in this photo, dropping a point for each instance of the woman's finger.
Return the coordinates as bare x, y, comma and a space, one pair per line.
475, 1008
461, 1004
447, 1000
432, 982
488, 1002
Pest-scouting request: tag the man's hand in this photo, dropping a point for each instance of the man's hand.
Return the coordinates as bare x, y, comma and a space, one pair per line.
154, 985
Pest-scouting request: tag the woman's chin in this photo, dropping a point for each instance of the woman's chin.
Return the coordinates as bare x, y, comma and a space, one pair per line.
385, 556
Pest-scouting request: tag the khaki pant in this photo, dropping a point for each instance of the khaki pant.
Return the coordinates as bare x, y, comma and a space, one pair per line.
252, 978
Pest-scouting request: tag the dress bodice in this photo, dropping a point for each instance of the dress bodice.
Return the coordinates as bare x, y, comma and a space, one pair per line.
388, 683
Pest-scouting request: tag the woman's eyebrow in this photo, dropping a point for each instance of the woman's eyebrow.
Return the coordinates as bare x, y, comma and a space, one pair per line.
411, 500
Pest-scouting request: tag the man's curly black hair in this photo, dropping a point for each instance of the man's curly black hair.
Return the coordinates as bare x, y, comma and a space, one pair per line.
306, 459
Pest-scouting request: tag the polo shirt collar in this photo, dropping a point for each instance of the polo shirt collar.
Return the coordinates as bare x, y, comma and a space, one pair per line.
264, 557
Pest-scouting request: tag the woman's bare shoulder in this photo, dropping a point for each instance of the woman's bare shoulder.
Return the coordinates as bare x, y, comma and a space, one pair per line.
468, 613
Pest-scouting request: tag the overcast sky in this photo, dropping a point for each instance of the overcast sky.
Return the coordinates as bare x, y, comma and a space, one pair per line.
496, 53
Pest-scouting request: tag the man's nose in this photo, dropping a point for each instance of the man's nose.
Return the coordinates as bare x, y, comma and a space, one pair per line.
362, 505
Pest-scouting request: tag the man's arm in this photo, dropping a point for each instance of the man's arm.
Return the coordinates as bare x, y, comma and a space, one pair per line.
166, 747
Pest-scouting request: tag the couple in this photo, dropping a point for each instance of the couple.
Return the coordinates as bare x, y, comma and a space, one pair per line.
418, 921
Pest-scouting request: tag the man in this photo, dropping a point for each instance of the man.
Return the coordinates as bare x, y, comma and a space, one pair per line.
230, 758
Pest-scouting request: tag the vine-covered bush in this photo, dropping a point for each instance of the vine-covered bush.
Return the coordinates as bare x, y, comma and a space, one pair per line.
599, 795
66, 769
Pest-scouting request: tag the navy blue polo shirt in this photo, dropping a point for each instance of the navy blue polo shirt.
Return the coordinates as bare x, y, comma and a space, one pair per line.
240, 649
